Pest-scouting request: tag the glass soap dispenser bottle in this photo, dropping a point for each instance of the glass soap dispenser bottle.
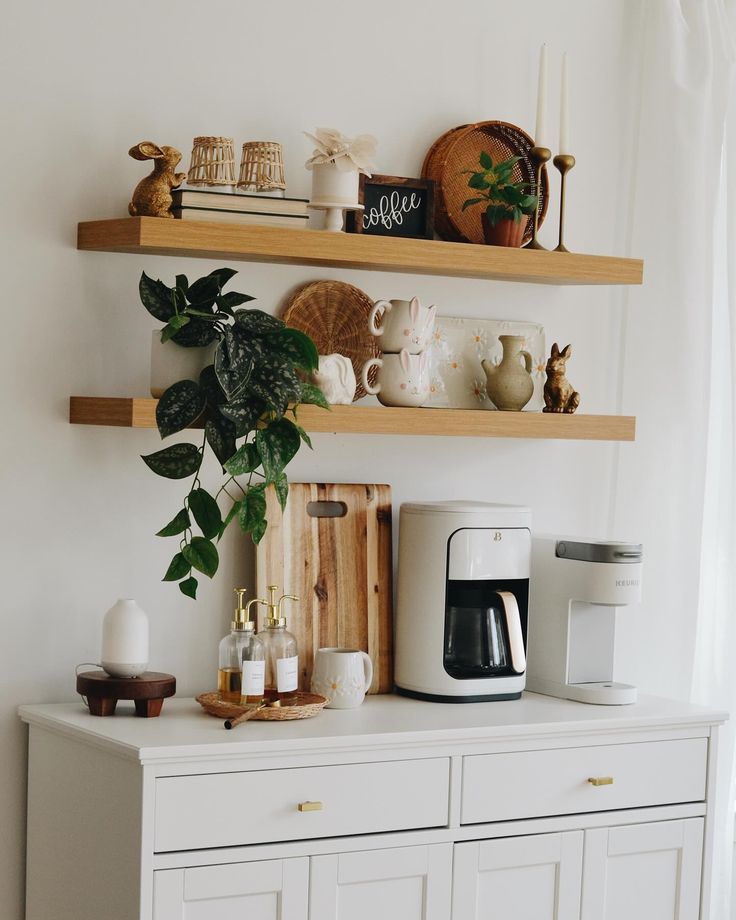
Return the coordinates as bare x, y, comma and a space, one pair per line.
282, 657
242, 644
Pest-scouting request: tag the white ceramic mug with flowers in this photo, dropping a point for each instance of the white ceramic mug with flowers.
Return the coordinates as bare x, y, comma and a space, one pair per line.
403, 379
404, 324
343, 675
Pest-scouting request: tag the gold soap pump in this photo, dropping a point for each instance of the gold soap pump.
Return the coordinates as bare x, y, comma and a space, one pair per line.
282, 656
240, 677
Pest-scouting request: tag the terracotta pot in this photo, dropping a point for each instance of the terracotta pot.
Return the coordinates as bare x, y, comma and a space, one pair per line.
505, 233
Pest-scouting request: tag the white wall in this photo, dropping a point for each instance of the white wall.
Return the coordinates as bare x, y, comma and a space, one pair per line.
83, 81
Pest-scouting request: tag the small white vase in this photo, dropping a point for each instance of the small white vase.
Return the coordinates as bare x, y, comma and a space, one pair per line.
171, 363
125, 640
333, 186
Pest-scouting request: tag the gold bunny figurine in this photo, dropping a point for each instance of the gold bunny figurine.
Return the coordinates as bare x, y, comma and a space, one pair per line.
559, 396
152, 195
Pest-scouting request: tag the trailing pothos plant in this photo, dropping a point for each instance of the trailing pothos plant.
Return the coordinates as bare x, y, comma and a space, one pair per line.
247, 400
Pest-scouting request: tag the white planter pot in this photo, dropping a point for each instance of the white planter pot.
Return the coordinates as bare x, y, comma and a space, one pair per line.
333, 186
171, 363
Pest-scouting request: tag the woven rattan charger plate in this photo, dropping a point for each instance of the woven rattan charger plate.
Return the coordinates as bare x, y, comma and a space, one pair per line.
335, 316
460, 149
307, 705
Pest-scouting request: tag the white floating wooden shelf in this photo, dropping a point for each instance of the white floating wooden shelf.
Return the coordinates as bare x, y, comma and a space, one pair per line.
210, 240
141, 413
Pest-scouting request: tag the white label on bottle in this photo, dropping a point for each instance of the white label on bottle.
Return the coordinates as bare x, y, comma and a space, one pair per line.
287, 674
254, 675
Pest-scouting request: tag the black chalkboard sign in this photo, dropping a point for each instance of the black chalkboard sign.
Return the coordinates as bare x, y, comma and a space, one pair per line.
394, 206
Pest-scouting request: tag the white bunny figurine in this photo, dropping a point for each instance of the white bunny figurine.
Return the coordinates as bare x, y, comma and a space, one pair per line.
336, 378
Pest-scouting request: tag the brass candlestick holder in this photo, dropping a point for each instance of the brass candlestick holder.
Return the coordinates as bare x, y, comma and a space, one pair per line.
564, 162
538, 156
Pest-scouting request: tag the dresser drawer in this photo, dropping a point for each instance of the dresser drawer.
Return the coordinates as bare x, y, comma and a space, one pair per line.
231, 809
501, 787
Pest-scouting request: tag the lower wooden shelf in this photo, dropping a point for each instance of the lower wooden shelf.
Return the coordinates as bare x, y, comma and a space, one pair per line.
137, 412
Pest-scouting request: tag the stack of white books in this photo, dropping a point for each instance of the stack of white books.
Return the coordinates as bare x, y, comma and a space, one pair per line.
234, 208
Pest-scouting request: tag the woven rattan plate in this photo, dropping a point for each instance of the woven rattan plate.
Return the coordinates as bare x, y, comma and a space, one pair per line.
460, 149
335, 316
307, 705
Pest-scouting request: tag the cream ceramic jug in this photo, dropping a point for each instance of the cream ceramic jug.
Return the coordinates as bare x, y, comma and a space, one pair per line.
509, 384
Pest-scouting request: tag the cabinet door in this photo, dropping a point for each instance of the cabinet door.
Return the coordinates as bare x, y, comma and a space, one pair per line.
524, 878
643, 872
406, 883
275, 889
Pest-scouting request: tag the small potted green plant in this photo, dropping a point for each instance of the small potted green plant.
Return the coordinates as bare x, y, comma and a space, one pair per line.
507, 203
250, 394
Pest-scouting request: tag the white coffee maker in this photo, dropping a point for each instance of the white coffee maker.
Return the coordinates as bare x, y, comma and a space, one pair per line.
577, 585
462, 601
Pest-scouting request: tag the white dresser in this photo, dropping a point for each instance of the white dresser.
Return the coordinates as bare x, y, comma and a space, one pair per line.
538, 809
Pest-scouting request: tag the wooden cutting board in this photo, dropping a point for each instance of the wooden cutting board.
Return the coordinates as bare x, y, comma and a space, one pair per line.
340, 567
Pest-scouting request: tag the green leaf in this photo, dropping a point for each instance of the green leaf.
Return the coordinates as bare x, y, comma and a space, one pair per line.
230, 515
214, 394
297, 347
220, 434
277, 444
233, 364
198, 333
466, 204
478, 180
178, 568
252, 512
313, 396
206, 512
282, 490
304, 436
528, 203
276, 384
173, 326
223, 275
486, 161
189, 587
204, 291
496, 213
202, 555
180, 405
244, 414
182, 283
178, 525
245, 459
175, 462
258, 530
156, 298
228, 302
256, 321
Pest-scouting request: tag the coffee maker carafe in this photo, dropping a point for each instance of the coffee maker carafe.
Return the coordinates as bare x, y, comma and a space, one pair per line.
462, 604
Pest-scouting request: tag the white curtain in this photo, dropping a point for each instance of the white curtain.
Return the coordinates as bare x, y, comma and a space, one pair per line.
674, 490
714, 677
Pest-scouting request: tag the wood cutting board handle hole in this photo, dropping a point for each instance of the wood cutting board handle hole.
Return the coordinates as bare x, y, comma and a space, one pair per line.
325, 509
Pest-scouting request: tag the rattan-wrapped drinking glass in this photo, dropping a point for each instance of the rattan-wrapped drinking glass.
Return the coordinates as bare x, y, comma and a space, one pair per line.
261, 167
213, 162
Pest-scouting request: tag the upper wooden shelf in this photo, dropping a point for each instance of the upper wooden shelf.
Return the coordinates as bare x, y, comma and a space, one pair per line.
209, 240
141, 413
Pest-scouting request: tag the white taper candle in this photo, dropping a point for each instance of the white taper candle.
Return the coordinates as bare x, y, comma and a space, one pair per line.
564, 109
540, 132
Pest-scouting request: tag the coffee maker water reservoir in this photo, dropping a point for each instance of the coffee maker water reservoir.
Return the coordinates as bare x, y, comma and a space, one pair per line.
463, 597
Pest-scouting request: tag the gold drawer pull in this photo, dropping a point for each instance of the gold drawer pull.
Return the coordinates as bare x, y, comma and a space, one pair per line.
312, 806
600, 780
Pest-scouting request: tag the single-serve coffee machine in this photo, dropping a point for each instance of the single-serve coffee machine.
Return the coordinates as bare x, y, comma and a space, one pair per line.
462, 601
576, 587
